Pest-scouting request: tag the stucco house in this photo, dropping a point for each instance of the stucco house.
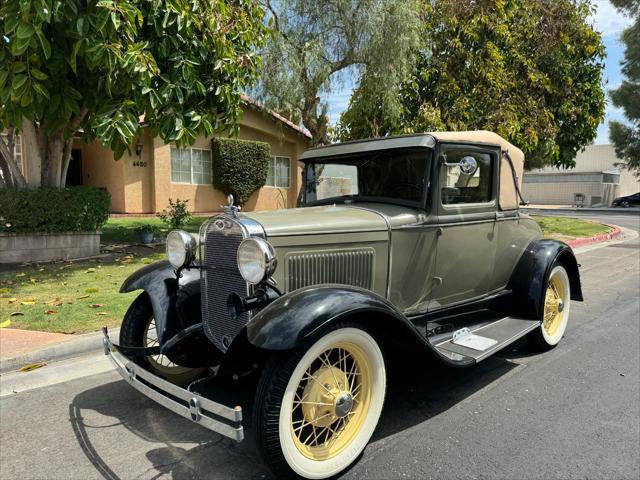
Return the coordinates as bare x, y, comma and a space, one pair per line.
143, 181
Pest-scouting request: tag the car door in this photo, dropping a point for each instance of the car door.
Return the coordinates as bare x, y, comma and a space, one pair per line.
466, 242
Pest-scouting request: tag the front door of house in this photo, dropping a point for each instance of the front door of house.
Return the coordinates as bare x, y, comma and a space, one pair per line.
74, 172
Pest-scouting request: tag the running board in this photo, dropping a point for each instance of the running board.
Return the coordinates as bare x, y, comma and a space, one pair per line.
493, 337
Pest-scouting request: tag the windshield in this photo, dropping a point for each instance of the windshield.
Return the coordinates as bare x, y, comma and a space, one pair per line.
398, 176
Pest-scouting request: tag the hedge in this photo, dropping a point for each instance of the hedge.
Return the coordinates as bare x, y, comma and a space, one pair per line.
49, 209
240, 167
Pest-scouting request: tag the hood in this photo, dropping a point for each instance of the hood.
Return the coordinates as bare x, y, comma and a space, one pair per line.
316, 220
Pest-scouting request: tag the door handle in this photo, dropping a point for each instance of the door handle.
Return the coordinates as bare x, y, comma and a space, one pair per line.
439, 231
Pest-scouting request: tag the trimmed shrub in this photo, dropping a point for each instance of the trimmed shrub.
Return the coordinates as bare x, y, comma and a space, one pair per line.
240, 167
50, 209
176, 214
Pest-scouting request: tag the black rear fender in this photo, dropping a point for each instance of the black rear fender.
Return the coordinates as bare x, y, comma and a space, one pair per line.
165, 292
531, 276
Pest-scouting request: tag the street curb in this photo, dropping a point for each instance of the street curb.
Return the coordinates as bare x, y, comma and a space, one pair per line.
87, 343
617, 211
604, 237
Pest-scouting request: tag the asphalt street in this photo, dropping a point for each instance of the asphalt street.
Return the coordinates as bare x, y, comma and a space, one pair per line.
573, 412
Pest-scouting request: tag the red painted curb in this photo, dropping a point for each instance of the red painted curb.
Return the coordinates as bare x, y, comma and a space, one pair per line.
578, 242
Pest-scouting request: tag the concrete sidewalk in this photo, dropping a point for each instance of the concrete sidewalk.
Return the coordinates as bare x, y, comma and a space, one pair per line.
23, 347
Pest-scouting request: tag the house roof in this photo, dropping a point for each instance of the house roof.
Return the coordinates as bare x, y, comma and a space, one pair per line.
259, 106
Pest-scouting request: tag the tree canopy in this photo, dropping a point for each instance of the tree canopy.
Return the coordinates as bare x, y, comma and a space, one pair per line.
530, 70
314, 42
626, 137
94, 67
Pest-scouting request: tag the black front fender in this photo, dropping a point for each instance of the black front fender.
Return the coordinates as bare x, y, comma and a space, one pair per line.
531, 275
293, 318
159, 281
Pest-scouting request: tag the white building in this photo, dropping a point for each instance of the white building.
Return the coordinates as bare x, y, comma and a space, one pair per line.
595, 176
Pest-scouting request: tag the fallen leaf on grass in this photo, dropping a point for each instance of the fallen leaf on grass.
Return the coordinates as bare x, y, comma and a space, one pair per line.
5, 290
32, 366
101, 313
53, 301
28, 302
51, 312
41, 269
96, 305
6, 323
16, 314
11, 300
82, 296
127, 257
21, 274
33, 280
90, 270
91, 290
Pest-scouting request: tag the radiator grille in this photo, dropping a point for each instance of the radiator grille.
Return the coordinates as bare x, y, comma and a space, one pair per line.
347, 267
220, 277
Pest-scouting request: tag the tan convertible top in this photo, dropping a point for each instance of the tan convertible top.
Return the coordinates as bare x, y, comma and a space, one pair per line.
508, 196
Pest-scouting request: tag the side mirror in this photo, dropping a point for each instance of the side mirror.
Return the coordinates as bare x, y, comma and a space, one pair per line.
468, 165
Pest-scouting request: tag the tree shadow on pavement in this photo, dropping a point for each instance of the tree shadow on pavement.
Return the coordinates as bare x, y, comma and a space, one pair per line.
418, 389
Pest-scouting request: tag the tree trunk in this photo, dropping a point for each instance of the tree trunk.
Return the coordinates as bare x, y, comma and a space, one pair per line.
6, 179
66, 158
52, 165
35, 145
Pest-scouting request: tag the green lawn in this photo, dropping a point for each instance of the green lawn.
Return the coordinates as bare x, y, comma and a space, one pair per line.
82, 296
69, 297
568, 228
123, 229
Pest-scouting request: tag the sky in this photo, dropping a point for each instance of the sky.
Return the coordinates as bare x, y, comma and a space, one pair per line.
607, 20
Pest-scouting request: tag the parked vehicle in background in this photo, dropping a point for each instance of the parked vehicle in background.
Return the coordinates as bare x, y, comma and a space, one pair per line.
628, 201
415, 241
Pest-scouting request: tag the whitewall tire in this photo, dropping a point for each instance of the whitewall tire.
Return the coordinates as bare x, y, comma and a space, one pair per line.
318, 406
556, 308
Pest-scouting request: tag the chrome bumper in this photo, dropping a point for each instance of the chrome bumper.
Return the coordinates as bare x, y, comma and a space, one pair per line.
188, 404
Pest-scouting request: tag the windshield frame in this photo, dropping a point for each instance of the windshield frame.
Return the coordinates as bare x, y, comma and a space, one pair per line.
346, 199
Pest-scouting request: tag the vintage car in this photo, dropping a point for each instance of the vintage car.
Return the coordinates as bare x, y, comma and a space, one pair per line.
413, 240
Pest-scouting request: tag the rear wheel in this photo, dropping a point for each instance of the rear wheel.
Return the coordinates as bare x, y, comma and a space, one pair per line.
557, 303
317, 406
139, 330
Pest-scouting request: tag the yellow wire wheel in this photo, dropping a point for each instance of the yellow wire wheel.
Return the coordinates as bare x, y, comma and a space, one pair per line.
557, 302
332, 403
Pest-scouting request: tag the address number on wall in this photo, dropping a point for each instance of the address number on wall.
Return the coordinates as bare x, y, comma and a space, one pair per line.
139, 164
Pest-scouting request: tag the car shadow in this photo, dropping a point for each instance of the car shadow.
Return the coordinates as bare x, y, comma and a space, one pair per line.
418, 390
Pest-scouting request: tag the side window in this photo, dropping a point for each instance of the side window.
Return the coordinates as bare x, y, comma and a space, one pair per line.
466, 185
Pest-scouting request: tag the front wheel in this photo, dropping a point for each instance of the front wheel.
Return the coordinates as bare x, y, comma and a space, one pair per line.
557, 303
317, 406
139, 330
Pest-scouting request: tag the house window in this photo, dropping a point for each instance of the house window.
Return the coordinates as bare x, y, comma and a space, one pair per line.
17, 150
279, 172
191, 165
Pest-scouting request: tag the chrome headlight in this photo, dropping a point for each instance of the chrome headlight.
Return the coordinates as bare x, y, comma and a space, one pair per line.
256, 260
181, 248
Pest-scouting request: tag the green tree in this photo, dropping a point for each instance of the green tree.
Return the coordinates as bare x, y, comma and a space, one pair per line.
93, 67
315, 42
626, 137
529, 70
